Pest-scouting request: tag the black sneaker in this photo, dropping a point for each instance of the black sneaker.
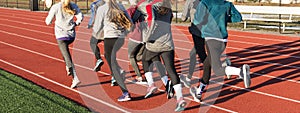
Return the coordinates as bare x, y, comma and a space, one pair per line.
99, 63
169, 90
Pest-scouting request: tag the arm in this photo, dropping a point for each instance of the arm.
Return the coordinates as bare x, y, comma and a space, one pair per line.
98, 24
235, 15
51, 15
200, 15
186, 10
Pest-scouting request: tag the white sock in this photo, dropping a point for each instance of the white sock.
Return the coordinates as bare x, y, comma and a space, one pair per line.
188, 79
229, 70
149, 78
164, 79
178, 91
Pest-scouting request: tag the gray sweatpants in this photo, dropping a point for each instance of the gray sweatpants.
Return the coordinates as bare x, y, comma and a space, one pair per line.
65, 51
214, 49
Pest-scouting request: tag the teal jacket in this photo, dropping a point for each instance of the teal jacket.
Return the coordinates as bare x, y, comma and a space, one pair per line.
212, 16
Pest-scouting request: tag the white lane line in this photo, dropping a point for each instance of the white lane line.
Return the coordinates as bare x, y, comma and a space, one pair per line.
66, 87
258, 92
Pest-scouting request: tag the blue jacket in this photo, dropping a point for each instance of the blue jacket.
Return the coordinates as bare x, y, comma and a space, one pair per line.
212, 16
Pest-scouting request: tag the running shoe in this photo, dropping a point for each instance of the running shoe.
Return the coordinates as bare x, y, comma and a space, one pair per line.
193, 92
180, 105
185, 80
125, 97
99, 63
75, 82
170, 90
150, 90
113, 82
246, 75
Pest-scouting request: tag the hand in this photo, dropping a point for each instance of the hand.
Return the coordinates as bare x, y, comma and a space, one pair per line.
89, 26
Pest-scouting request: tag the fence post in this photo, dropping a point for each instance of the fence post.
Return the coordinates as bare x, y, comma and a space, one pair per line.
87, 6
176, 10
279, 28
6, 3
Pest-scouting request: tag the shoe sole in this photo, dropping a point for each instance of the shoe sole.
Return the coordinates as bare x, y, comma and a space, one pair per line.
247, 78
123, 100
181, 107
151, 92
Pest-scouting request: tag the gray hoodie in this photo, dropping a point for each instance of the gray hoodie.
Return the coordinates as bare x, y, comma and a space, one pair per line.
102, 23
159, 37
64, 23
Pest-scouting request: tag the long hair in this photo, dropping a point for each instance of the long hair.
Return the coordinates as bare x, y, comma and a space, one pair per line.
117, 16
67, 7
165, 7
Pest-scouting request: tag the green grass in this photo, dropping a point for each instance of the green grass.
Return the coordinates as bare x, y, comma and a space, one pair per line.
19, 95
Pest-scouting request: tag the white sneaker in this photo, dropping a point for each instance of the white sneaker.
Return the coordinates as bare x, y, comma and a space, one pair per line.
180, 105
150, 90
75, 82
193, 92
246, 75
185, 80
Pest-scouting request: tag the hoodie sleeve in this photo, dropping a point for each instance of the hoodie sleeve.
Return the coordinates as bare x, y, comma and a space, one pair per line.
201, 14
186, 10
51, 15
235, 15
99, 19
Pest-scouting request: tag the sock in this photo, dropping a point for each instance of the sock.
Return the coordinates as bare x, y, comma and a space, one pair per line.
229, 70
188, 79
178, 91
164, 79
201, 88
149, 78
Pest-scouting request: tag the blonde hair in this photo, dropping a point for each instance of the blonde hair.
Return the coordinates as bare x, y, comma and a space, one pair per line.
117, 16
67, 7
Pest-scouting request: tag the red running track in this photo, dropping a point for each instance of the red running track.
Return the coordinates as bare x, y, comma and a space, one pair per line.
29, 49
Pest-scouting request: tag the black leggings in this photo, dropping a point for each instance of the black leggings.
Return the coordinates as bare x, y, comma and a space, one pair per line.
111, 46
199, 48
168, 59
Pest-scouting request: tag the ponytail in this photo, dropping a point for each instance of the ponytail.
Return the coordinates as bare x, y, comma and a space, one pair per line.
117, 16
67, 7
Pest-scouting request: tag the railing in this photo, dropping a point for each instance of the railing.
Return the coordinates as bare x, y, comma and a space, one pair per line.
27, 4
